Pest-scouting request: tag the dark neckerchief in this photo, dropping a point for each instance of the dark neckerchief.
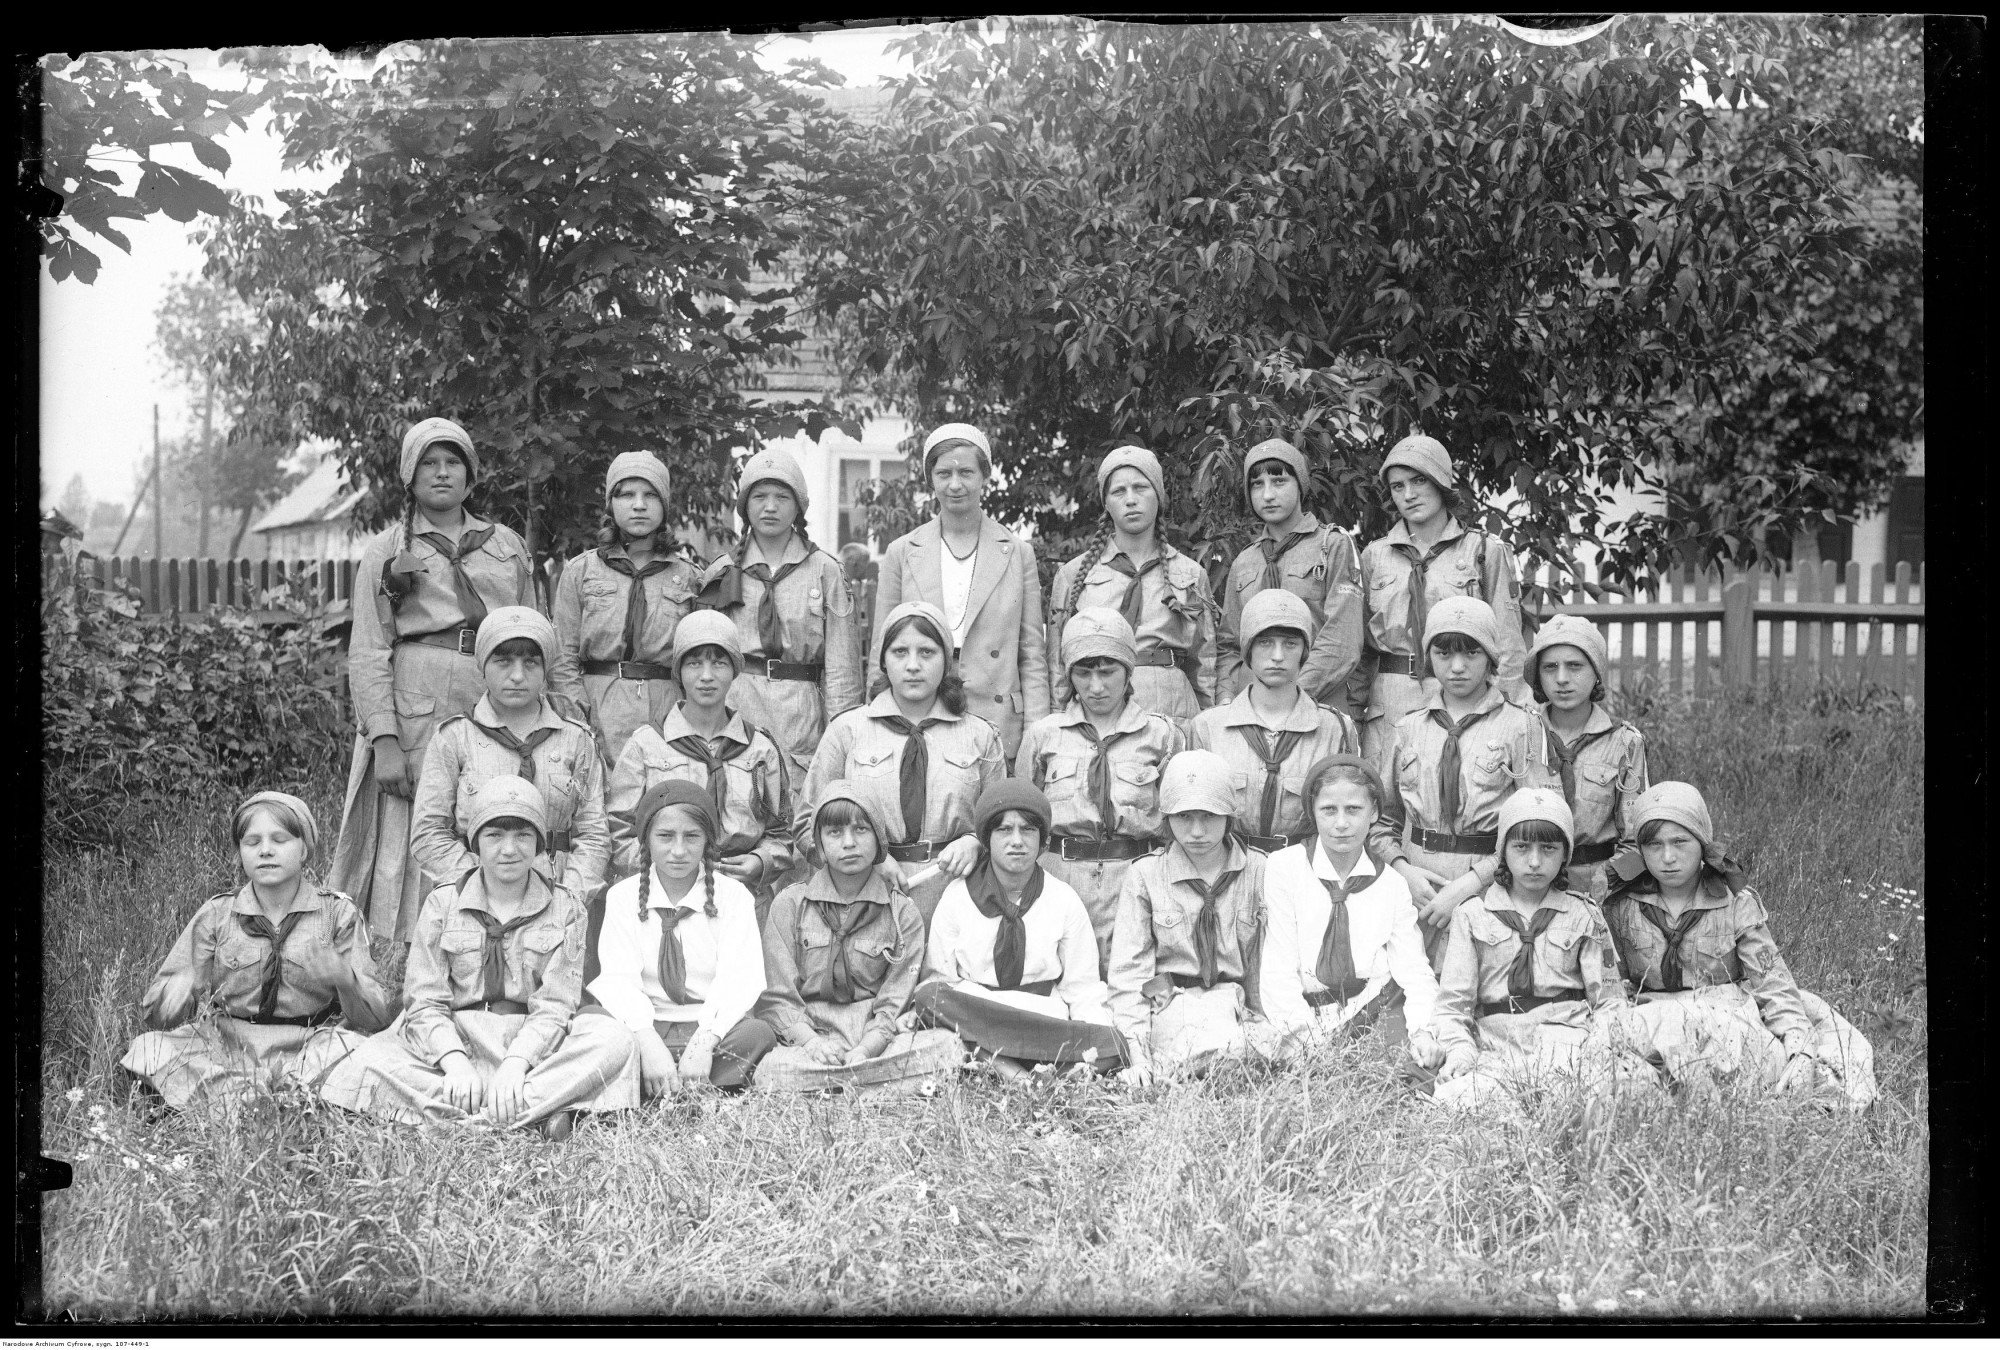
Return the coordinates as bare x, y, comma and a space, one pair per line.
1010, 941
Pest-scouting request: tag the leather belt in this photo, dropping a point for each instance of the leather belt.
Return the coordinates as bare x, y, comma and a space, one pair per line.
921, 850
1271, 843
1601, 851
461, 640
629, 670
559, 842
326, 1014
1117, 848
499, 1005
1395, 663
1159, 656
1436, 841
783, 670
1521, 1005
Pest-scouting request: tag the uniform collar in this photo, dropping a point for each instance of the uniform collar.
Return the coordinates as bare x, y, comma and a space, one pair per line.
1711, 892
1399, 533
1302, 716
1308, 524
470, 524
656, 897
1163, 550
1599, 719
472, 895
1131, 717
1180, 867
546, 716
884, 705
675, 725
1494, 698
305, 901
1323, 868
1498, 901
819, 887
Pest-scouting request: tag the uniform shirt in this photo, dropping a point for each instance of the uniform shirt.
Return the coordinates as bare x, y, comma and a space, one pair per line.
1323, 732
1056, 755
590, 604
1061, 946
1503, 750
885, 954
1573, 953
1175, 612
1154, 931
965, 755
1610, 772
1382, 936
1458, 569
817, 617
724, 956
501, 573
542, 961
756, 815
1324, 570
1730, 943
217, 955
567, 770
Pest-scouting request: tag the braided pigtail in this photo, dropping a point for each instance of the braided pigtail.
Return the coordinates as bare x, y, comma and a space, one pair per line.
645, 879
608, 532
708, 883
409, 519
799, 528
1093, 549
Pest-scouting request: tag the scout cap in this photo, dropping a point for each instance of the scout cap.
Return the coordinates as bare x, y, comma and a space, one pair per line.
1282, 451
1424, 454
772, 464
1134, 457
1567, 630
1534, 804
429, 432
1274, 609
1011, 794
707, 628
1099, 631
515, 621
1197, 780
938, 440
508, 798
1464, 614
643, 465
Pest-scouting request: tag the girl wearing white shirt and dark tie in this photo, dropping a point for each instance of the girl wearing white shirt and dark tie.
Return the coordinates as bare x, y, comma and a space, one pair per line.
680, 961
1345, 928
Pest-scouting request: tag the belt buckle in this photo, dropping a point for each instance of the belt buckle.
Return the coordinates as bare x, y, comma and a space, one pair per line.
621, 670
1062, 848
468, 641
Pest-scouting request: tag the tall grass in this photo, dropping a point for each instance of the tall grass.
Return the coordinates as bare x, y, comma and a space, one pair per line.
1322, 1188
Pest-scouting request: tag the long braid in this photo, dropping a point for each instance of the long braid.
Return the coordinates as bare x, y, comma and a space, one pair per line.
1085, 560
645, 878
409, 519
708, 882
799, 528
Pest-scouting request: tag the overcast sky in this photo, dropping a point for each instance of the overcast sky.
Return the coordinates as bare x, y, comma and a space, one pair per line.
99, 377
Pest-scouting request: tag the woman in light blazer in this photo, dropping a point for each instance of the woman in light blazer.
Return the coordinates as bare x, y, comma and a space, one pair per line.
982, 575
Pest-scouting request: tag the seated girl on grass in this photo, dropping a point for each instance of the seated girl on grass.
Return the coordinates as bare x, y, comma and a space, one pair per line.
270, 984
842, 952
1716, 1000
495, 975
1012, 964
679, 959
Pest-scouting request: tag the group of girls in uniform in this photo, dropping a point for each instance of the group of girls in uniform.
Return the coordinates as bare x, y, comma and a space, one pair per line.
701, 828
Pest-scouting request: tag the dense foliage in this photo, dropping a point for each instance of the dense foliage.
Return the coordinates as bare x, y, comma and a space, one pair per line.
553, 241
1077, 234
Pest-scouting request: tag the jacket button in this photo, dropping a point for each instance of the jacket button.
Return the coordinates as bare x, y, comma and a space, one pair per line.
996, 698
995, 653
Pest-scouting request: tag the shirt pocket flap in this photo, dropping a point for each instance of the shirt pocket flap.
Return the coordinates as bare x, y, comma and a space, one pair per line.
458, 941
1599, 775
543, 937
1166, 918
600, 588
875, 761
1487, 928
1062, 766
1239, 780
1138, 773
881, 946
961, 758
414, 703
240, 953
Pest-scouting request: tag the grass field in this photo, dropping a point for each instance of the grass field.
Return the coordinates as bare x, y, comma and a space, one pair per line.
1319, 1189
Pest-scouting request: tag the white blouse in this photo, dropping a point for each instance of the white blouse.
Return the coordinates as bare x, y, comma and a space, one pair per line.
957, 588
1060, 946
724, 957
1382, 933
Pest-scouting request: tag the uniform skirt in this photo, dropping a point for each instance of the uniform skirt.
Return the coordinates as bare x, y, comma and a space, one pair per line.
1036, 1028
1716, 1034
737, 1054
594, 1067
911, 1057
1556, 1047
1199, 1025
228, 1055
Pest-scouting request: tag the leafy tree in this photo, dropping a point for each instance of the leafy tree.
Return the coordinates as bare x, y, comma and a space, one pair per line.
552, 241
1077, 233
112, 108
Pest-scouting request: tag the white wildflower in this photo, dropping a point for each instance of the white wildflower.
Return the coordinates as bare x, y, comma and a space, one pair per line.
74, 1094
131, 1164
1606, 1305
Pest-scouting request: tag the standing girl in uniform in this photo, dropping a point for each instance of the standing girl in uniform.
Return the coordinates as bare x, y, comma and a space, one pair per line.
703, 741
1271, 733
495, 975
514, 731
680, 962
1715, 997
1294, 552
1359, 960
982, 576
1098, 758
1452, 763
1012, 963
423, 586
1427, 556
1191, 938
284, 961
1129, 566
793, 611
915, 754
616, 607
842, 953
1530, 983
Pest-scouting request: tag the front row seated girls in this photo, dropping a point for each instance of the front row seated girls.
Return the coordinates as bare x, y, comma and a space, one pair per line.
679, 962
284, 960
514, 730
703, 740
1186, 947
1347, 925
1012, 965
1716, 1000
494, 978
1529, 974
1271, 733
842, 953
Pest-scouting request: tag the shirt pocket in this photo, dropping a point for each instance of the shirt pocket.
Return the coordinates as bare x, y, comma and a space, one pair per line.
464, 953
1708, 955
1561, 948
1596, 787
1489, 767
878, 764
1454, 577
1063, 776
1135, 785
958, 767
239, 955
539, 945
1409, 772
869, 959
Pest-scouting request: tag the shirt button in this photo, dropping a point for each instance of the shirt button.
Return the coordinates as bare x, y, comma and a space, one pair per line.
996, 698
995, 653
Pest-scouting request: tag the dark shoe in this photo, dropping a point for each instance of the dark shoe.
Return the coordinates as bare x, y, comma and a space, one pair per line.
558, 1126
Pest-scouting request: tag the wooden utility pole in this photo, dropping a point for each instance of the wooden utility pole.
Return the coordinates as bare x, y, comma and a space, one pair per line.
159, 492
138, 500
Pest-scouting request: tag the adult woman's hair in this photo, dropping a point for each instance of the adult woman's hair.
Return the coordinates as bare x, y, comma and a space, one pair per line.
1535, 832
951, 689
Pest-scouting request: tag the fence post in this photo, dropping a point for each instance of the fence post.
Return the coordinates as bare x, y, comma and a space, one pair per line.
1739, 628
